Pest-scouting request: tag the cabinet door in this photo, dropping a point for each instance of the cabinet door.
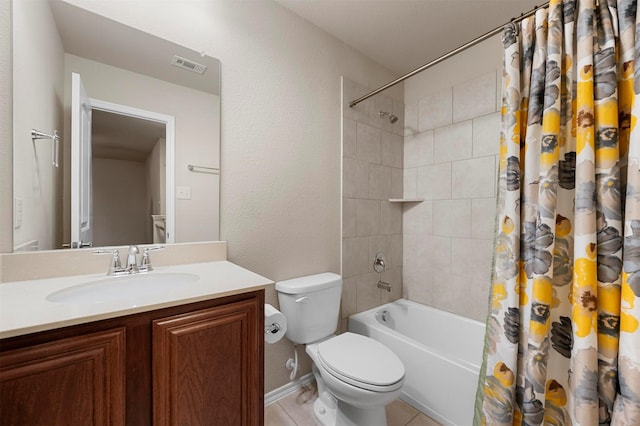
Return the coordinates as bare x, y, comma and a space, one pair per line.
74, 381
206, 367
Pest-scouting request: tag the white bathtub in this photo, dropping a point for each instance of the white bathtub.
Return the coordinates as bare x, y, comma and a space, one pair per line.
441, 352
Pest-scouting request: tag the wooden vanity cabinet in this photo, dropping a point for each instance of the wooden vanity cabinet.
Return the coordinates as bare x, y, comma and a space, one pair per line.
195, 364
78, 380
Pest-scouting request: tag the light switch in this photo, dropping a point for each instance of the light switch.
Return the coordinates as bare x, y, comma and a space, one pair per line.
183, 192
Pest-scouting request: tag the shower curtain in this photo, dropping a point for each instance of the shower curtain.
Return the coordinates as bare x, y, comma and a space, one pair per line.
563, 340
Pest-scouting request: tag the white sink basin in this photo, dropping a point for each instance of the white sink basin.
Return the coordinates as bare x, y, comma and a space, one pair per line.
124, 288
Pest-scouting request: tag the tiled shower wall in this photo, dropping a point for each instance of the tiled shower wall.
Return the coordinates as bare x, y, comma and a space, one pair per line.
450, 159
372, 174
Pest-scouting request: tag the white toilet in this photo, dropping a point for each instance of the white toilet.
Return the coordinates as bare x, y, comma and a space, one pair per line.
356, 375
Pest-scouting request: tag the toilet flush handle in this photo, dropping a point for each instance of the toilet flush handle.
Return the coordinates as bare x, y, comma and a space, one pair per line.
301, 299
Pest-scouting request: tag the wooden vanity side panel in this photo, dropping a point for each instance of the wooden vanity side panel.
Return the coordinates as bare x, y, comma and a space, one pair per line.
84, 374
205, 367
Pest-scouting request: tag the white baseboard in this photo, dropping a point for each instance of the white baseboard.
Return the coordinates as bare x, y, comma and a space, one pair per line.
282, 391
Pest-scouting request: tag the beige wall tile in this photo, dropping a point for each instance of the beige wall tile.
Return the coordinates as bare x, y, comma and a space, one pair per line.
355, 253
437, 252
415, 283
418, 149
398, 111
392, 149
460, 194
410, 183
367, 296
474, 178
453, 142
483, 212
397, 183
417, 218
414, 251
368, 143
479, 291
435, 110
450, 291
486, 135
452, 218
434, 182
471, 258
410, 119
395, 250
391, 218
355, 178
379, 182
348, 217
367, 217
464, 296
475, 97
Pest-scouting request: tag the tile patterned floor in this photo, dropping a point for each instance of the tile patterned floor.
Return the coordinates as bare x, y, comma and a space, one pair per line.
296, 409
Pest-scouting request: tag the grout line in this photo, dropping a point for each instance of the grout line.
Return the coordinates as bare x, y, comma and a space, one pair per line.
287, 413
413, 418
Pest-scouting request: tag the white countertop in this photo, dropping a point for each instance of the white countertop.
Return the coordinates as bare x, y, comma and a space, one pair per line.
24, 307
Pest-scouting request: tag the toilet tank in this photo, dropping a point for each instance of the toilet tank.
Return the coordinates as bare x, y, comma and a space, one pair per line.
311, 305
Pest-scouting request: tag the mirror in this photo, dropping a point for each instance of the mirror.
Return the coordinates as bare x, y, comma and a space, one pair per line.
136, 196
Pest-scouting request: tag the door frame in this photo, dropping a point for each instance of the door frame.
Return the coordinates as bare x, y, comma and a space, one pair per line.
169, 122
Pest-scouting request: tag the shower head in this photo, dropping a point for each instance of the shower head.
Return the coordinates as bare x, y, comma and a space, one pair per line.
392, 118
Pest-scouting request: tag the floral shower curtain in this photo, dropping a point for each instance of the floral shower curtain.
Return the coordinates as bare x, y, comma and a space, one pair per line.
563, 338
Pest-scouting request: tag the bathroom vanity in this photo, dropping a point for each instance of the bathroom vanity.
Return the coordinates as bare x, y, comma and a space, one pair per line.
190, 356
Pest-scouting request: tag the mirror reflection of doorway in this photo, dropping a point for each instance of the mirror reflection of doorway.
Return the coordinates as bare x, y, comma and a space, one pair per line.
128, 166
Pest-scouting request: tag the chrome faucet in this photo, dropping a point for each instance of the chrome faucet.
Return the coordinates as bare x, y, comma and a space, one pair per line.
384, 285
132, 266
145, 262
115, 266
132, 260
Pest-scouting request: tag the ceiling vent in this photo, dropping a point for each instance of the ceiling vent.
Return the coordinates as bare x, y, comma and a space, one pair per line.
186, 64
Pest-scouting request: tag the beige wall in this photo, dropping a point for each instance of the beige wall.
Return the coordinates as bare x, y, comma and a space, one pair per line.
452, 134
128, 219
38, 84
281, 132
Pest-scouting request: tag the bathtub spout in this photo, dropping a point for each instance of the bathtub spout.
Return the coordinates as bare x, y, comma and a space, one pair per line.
385, 286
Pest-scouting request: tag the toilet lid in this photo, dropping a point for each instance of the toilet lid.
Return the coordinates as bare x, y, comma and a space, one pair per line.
358, 358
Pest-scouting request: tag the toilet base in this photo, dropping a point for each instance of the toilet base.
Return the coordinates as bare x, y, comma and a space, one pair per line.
348, 415
327, 413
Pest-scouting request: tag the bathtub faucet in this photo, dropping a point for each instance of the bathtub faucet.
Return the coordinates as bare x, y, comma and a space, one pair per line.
384, 285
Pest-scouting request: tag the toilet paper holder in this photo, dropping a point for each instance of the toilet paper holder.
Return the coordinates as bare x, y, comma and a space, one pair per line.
272, 328
275, 324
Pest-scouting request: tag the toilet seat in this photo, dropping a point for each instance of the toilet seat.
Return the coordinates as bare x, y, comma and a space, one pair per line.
361, 361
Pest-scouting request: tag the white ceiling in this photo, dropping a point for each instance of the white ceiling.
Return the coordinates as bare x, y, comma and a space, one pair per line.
405, 34
83, 34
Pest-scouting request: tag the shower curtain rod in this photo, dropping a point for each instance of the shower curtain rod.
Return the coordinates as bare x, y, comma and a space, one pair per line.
448, 55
